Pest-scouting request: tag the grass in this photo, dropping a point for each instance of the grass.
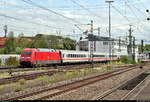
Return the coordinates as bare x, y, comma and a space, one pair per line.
7, 86
57, 77
4, 75
45, 80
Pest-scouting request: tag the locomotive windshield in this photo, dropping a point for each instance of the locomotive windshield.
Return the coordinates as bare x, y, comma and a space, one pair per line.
26, 53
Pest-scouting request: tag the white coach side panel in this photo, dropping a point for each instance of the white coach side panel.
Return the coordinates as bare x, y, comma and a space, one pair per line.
74, 56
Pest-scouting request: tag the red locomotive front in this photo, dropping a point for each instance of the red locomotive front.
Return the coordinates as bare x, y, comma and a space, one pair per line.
35, 57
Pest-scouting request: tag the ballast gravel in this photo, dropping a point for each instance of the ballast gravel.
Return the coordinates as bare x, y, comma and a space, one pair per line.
84, 93
92, 90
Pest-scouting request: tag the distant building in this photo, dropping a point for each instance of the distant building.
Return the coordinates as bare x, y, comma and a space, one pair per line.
2, 42
3, 39
101, 45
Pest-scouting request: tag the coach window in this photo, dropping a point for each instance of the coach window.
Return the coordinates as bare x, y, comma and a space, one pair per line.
105, 43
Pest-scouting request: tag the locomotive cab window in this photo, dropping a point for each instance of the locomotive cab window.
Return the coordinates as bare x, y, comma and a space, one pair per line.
26, 53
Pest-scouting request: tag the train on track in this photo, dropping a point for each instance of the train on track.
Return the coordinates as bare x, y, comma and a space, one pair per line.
40, 56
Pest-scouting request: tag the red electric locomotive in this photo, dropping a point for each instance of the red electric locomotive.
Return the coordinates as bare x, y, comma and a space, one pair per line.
34, 57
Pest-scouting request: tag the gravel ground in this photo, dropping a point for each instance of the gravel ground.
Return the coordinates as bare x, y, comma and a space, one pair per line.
89, 91
86, 92
117, 95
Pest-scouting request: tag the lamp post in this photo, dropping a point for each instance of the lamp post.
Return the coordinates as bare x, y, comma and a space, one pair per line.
109, 2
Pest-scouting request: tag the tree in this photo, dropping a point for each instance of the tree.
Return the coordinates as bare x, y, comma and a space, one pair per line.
69, 44
41, 42
10, 44
38, 42
147, 47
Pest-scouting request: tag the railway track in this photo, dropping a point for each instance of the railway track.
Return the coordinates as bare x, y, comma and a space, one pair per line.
127, 90
50, 92
47, 71
18, 68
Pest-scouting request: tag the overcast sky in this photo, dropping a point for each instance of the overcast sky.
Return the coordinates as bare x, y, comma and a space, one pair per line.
61, 16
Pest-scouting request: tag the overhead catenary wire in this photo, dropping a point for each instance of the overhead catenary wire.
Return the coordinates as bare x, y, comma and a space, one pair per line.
125, 17
86, 9
19, 19
142, 3
51, 11
136, 8
136, 16
121, 13
97, 6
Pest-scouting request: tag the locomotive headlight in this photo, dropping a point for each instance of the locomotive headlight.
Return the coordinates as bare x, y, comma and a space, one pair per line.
28, 57
22, 58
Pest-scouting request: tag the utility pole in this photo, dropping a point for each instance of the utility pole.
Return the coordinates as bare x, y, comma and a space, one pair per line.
98, 31
134, 49
110, 43
5, 30
91, 45
130, 43
119, 44
142, 45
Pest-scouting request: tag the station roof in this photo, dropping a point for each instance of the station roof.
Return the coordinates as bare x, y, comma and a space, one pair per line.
99, 38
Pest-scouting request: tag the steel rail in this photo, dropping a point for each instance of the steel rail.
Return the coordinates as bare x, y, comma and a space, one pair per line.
109, 92
82, 83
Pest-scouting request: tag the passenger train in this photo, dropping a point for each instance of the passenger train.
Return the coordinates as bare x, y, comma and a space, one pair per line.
40, 56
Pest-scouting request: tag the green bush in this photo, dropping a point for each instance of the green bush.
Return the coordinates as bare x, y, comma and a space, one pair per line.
10, 72
2, 50
22, 81
18, 89
0, 62
126, 60
12, 61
